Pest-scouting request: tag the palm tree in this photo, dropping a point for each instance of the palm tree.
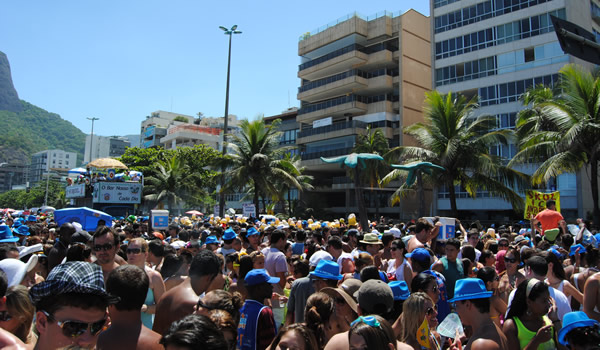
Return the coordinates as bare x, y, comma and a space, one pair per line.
291, 163
257, 159
562, 129
373, 141
453, 138
172, 182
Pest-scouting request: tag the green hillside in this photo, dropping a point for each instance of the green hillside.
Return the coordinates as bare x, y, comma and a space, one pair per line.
32, 130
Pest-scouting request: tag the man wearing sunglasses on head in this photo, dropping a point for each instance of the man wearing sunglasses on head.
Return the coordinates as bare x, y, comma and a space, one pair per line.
106, 244
71, 306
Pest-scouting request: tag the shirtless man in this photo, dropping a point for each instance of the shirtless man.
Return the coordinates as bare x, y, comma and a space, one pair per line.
591, 297
130, 283
180, 300
424, 232
472, 302
106, 244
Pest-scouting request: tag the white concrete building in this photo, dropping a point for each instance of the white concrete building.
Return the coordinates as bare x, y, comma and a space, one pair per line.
498, 49
104, 146
50, 160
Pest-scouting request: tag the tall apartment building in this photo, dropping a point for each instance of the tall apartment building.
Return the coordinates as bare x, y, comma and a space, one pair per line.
50, 160
104, 147
359, 72
155, 126
497, 49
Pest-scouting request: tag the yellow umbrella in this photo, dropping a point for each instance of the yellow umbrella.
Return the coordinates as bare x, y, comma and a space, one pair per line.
107, 163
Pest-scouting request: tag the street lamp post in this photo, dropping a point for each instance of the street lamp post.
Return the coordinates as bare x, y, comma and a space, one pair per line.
229, 32
92, 136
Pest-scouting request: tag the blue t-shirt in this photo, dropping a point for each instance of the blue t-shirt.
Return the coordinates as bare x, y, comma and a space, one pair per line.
442, 304
298, 248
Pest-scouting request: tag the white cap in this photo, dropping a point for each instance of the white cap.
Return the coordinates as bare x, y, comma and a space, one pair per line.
78, 227
396, 232
317, 256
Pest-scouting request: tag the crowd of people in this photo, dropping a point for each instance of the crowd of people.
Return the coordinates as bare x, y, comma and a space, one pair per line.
254, 284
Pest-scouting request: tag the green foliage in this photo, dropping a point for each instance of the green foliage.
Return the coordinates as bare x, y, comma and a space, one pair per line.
20, 199
177, 175
181, 119
453, 138
257, 161
33, 130
561, 129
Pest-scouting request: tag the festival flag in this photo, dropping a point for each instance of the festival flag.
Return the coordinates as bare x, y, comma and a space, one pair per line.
423, 334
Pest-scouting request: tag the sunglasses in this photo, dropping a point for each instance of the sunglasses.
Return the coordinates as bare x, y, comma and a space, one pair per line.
99, 247
74, 329
204, 306
5, 316
510, 260
430, 310
503, 245
135, 251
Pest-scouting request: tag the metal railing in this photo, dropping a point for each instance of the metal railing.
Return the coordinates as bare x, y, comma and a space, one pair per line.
332, 127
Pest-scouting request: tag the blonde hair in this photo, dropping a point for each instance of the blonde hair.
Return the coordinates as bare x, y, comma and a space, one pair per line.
142, 242
413, 313
20, 306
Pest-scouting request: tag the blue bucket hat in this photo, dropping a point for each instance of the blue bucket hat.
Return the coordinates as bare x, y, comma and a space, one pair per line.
258, 276
400, 289
420, 254
572, 320
229, 234
211, 240
574, 248
328, 270
251, 231
470, 288
32, 218
6, 235
18, 222
22, 230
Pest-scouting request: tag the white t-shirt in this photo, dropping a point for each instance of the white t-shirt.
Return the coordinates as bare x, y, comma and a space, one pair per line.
562, 303
399, 272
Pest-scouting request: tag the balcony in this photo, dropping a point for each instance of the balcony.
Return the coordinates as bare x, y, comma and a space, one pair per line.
352, 104
328, 153
595, 12
335, 130
334, 62
347, 82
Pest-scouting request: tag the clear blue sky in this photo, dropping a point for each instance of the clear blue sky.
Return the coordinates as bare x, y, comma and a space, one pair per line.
121, 60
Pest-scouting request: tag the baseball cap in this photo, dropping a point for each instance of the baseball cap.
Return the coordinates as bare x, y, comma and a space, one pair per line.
375, 296
351, 286
420, 254
318, 256
258, 276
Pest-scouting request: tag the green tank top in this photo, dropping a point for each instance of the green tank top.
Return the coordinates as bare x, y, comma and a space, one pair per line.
525, 335
452, 273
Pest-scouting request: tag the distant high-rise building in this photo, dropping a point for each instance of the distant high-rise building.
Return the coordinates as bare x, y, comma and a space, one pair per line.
50, 160
104, 147
356, 73
497, 50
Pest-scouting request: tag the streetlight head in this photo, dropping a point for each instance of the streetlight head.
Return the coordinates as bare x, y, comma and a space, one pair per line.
234, 27
223, 28
237, 32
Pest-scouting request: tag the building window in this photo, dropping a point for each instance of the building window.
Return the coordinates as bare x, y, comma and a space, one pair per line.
498, 35
67, 156
511, 91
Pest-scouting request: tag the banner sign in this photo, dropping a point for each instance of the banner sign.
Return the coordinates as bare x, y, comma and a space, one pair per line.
110, 192
75, 191
448, 230
160, 219
535, 202
248, 210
